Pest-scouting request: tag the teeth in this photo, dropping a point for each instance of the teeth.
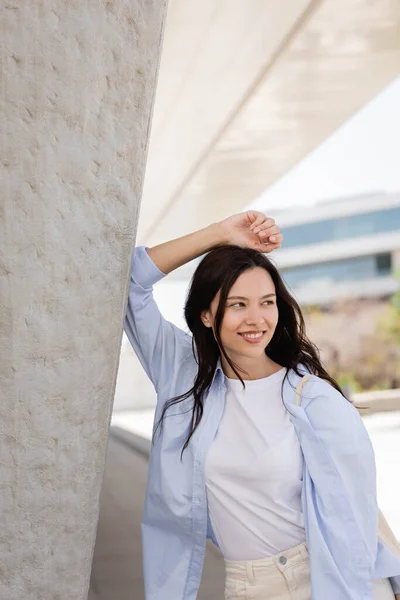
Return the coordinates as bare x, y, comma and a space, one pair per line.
252, 335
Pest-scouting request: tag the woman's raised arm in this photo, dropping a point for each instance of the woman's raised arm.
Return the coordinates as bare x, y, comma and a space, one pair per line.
240, 230
159, 344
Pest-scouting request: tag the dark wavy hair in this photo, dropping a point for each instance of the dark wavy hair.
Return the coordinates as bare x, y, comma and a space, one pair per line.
289, 346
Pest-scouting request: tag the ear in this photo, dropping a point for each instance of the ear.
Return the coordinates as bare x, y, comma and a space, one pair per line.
206, 317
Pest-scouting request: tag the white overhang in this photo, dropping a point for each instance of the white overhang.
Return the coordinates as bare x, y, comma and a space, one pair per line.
246, 90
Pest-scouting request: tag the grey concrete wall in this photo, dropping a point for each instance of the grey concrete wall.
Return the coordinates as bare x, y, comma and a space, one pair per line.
76, 97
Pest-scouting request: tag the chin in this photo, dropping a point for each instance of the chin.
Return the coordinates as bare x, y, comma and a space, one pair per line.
251, 352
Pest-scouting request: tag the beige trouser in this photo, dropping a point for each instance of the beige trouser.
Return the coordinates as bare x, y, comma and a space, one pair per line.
285, 576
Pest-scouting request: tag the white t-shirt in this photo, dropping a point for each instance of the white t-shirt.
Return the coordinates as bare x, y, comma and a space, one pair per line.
253, 473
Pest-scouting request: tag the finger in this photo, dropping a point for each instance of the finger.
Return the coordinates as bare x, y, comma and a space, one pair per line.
266, 224
265, 231
276, 239
258, 219
266, 246
270, 247
274, 244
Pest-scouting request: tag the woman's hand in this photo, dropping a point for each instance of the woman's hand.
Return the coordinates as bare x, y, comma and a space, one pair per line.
251, 229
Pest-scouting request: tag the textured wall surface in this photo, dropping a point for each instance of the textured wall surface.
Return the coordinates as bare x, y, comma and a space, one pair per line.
78, 81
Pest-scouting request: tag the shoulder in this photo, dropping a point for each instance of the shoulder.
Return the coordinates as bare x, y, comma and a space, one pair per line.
316, 387
327, 408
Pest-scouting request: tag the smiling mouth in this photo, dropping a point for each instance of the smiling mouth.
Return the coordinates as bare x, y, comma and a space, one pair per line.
253, 337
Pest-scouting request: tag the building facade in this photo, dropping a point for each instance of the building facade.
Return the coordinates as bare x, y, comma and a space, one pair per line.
341, 248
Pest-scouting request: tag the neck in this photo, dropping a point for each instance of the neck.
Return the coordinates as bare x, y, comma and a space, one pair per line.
250, 368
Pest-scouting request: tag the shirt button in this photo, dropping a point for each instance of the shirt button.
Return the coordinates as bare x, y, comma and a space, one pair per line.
283, 560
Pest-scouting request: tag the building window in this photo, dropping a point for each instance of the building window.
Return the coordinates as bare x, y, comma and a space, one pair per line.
384, 264
343, 227
366, 267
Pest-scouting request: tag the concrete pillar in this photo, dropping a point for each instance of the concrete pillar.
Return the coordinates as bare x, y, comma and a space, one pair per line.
76, 96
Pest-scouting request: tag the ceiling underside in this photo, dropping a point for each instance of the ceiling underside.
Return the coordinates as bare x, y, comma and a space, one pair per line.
246, 90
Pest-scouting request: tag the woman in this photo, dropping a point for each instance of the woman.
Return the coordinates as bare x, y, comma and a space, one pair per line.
287, 492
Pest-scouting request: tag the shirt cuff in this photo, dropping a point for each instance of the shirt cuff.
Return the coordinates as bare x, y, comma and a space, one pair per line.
144, 271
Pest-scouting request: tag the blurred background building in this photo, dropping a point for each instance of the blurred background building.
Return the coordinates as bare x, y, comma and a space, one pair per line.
344, 248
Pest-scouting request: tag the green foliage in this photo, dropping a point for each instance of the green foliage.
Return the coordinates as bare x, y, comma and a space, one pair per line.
348, 381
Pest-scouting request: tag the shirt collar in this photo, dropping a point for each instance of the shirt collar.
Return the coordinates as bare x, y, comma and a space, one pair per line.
218, 371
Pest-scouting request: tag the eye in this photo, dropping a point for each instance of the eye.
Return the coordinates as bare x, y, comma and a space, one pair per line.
238, 304
269, 302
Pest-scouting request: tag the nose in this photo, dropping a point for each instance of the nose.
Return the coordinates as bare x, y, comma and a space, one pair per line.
254, 317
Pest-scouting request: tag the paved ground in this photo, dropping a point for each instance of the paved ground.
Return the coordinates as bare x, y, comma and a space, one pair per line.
117, 564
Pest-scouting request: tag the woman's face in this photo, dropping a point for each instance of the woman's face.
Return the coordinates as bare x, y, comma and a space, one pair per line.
251, 315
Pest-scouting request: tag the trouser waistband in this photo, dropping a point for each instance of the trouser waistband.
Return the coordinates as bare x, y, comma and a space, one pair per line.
252, 569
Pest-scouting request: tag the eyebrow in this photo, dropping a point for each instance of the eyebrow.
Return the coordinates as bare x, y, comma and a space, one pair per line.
244, 298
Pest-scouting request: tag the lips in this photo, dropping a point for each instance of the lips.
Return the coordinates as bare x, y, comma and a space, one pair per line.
252, 336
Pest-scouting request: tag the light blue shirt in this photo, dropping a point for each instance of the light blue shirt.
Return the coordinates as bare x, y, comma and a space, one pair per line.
339, 479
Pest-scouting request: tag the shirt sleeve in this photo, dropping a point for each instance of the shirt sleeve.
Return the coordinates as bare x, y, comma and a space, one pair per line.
344, 474
159, 344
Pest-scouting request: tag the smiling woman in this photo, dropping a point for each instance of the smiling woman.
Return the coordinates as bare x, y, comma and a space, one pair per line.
287, 491
234, 323
249, 321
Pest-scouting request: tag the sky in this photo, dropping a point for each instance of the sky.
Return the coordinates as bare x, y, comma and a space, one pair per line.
362, 156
